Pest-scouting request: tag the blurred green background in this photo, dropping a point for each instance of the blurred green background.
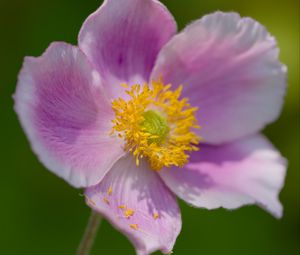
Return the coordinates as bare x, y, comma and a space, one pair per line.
41, 214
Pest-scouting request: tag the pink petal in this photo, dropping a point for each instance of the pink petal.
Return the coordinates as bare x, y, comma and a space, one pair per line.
123, 38
66, 116
230, 69
247, 171
155, 222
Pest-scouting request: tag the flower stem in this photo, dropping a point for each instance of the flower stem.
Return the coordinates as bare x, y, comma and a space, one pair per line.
89, 234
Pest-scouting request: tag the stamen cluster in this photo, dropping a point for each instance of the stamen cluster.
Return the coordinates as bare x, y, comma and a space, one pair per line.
167, 141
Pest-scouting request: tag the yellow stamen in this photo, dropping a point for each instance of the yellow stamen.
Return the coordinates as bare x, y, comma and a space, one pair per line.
106, 200
128, 213
156, 124
155, 216
134, 226
124, 85
122, 207
109, 191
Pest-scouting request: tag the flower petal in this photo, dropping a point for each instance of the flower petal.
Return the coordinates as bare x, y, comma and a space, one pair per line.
62, 107
229, 68
247, 171
123, 38
138, 203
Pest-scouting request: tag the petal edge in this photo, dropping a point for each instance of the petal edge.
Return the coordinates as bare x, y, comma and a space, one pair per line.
248, 171
63, 110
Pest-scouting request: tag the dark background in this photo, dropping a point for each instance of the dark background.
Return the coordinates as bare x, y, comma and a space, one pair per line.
42, 215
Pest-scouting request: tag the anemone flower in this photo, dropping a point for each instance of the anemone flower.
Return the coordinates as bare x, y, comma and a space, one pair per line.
136, 114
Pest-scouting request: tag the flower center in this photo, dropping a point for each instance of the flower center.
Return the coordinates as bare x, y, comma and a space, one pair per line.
156, 124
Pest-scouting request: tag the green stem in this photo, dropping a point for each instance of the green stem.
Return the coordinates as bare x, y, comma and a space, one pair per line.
89, 234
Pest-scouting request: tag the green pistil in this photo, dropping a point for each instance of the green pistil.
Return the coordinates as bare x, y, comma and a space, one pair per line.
155, 124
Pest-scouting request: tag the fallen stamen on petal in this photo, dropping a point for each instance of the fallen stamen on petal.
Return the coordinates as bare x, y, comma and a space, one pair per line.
128, 213
109, 191
134, 226
155, 216
106, 200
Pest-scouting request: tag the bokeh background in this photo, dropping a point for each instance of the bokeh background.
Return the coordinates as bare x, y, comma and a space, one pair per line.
42, 215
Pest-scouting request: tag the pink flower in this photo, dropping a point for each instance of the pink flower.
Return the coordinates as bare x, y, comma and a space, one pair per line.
124, 148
